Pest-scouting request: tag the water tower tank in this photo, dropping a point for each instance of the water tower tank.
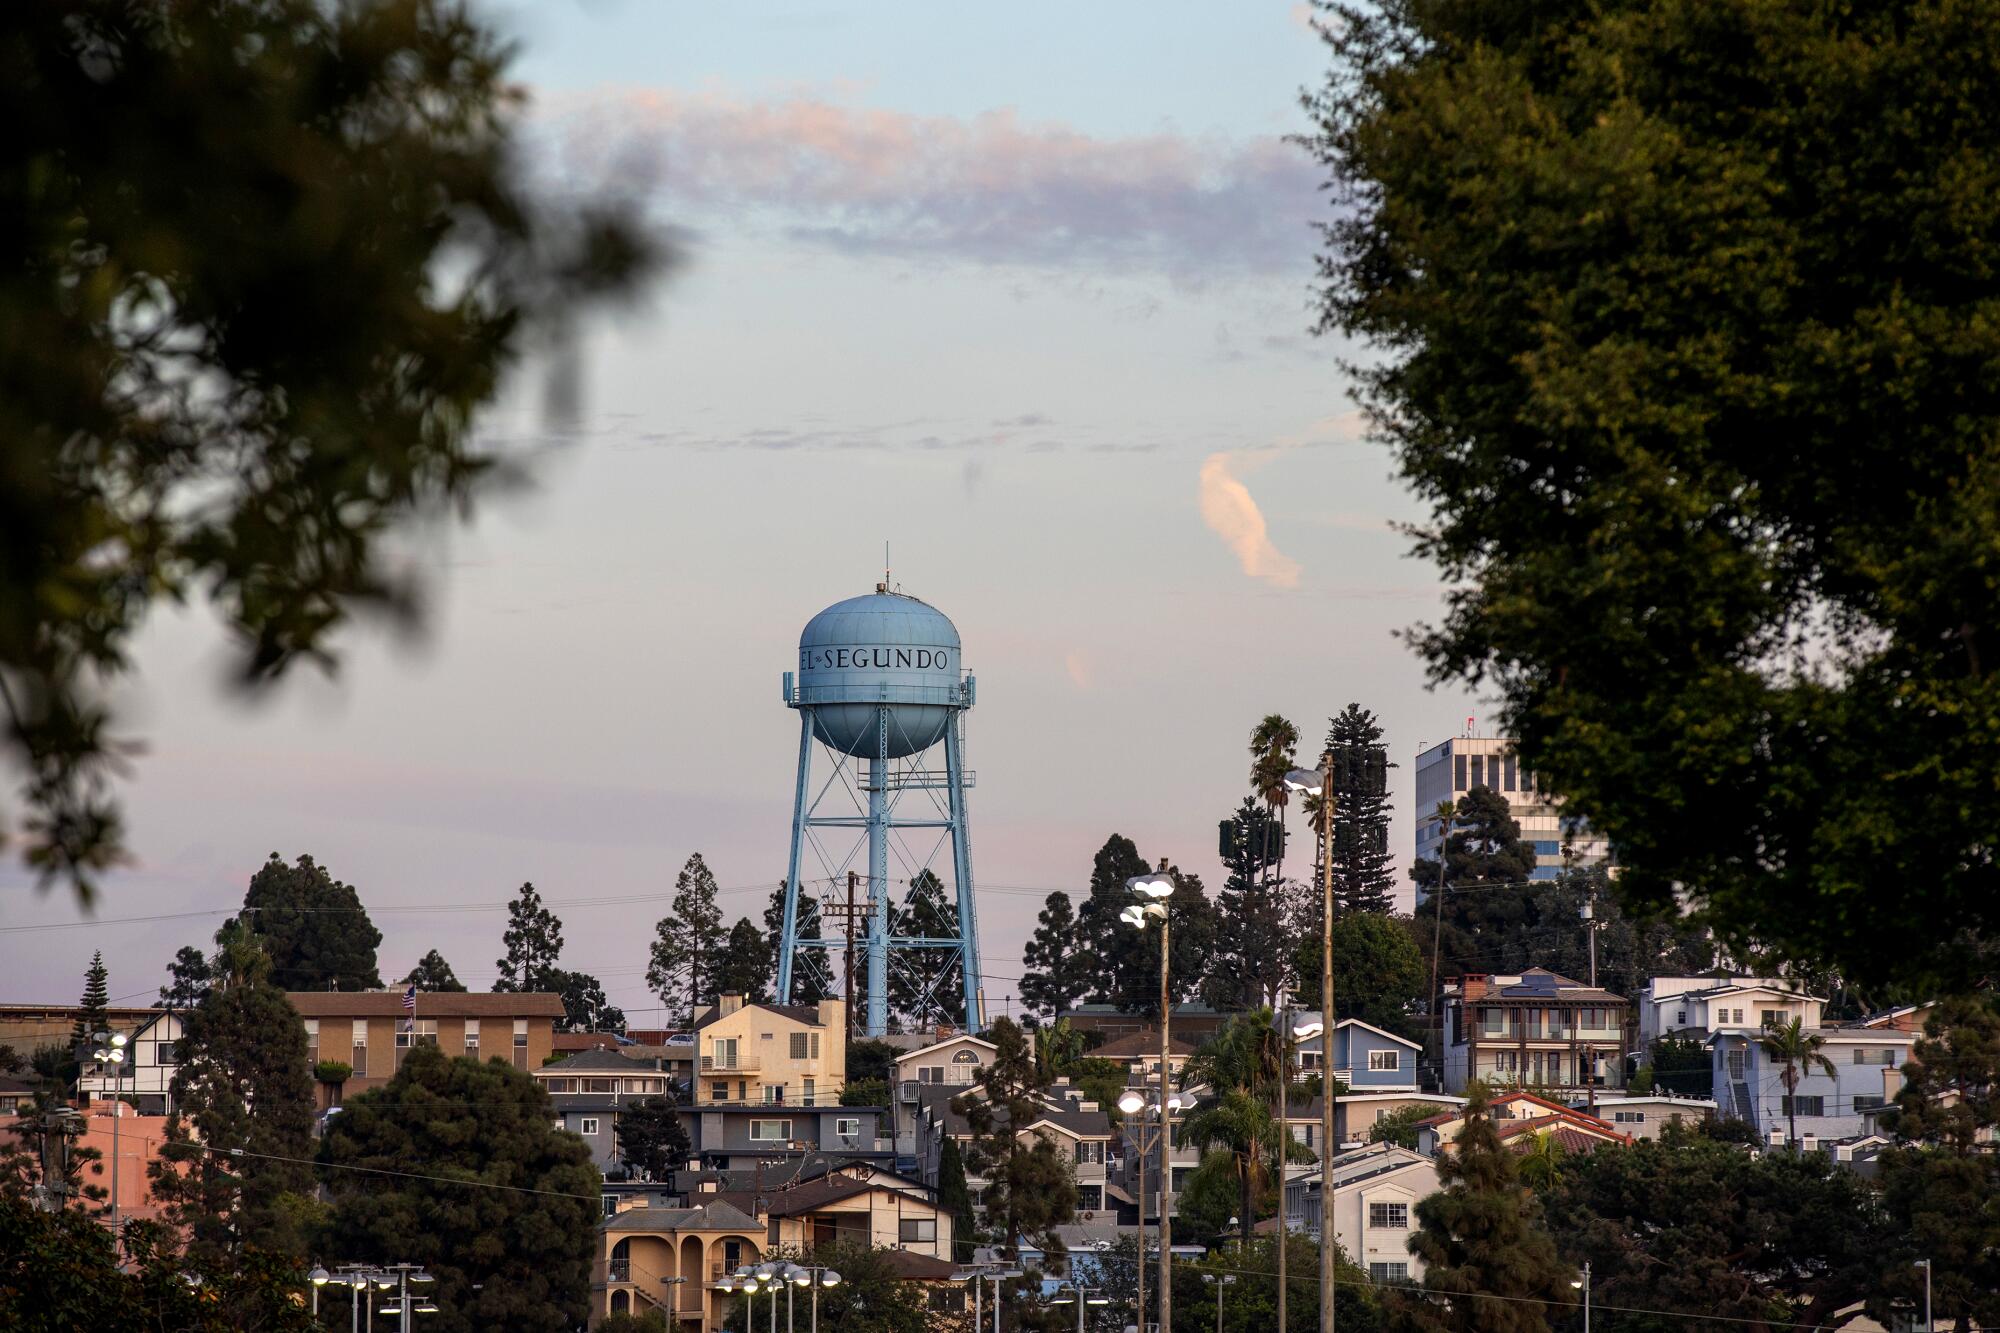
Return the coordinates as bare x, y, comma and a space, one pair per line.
880, 649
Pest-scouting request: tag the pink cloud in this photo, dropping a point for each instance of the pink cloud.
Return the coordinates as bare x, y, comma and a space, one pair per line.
991, 188
1232, 514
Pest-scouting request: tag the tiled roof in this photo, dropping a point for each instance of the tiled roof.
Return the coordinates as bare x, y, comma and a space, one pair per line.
1521, 1138
430, 1004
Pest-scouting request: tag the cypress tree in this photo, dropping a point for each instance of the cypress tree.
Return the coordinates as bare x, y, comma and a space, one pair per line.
1479, 1240
956, 1198
1364, 877
534, 945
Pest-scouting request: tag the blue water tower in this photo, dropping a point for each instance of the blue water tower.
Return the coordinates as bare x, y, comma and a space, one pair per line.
879, 688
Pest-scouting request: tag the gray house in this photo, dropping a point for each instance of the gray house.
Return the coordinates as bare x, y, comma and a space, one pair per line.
743, 1137
1867, 1074
592, 1088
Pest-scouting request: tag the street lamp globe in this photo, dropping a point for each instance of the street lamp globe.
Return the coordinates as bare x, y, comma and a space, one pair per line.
1307, 780
829, 1278
319, 1277
1156, 885
1131, 1102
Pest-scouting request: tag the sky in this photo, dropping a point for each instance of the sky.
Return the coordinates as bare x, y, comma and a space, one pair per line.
1025, 294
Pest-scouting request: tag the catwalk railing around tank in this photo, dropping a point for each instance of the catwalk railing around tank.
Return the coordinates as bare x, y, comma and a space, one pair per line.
961, 695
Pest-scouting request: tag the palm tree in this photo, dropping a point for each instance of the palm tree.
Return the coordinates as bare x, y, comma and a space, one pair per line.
1057, 1047
1790, 1045
1241, 1125
1274, 744
1541, 1168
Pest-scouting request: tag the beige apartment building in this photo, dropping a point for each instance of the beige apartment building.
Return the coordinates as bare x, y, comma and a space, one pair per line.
1448, 770
368, 1031
754, 1054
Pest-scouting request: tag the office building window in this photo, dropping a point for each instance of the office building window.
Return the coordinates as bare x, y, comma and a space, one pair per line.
917, 1229
1807, 1106
1388, 1272
1389, 1216
360, 1060
472, 1038
770, 1131
1458, 772
520, 1043
416, 1032
1507, 768
1479, 770
588, 1127
1385, 1061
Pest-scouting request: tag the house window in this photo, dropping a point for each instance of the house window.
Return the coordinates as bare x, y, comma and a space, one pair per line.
610, 1205
360, 1060
718, 1092
798, 1046
1864, 1102
1680, 1018
1865, 1055
1739, 1015
723, 1052
472, 1039
1628, 1117
917, 1229
847, 1128
556, 1085
774, 1094
1736, 1065
1389, 1216
1388, 1272
806, 1094
1770, 1018
1088, 1151
1385, 1061
1491, 1022
770, 1131
588, 1127
1808, 1106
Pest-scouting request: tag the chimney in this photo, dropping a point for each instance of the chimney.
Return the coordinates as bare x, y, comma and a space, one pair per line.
728, 1004
833, 1014
1474, 986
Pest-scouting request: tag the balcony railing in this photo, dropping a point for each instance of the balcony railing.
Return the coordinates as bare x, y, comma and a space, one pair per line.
742, 1064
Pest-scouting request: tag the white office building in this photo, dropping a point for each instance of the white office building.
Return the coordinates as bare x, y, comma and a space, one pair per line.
1448, 770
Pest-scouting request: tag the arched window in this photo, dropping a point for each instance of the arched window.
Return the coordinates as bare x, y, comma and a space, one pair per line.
966, 1058
620, 1302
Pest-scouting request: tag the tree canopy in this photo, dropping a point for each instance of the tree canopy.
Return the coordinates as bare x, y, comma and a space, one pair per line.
1688, 350
686, 943
265, 261
314, 927
534, 944
433, 973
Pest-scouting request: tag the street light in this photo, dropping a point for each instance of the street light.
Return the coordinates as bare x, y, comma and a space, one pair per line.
978, 1275
1082, 1297
319, 1277
1583, 1284
1155, 889
1320, 784
1925, 1264
1220, 1282
672, 1284
1137, 1104
808, 1275
111, 1051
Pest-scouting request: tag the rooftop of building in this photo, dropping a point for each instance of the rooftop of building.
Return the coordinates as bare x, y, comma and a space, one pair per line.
598, 1062
798, 1013
711, 1215
430, 1004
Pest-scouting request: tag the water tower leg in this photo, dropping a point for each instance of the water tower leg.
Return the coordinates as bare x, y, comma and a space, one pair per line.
878, 879
961, 871
788, 938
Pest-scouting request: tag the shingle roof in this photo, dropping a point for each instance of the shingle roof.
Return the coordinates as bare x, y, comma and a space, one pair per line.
1139, 1045
1087, 1124
803, 1013
430, 1004
717, 1215
909, 1266
610, 1062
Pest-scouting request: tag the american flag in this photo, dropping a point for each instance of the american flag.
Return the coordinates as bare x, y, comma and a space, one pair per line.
410, 1005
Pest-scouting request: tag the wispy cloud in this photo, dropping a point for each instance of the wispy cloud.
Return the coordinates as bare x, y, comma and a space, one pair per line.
990, 189
1232, 514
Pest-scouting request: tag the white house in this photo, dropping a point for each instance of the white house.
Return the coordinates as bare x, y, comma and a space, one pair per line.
1645, 1115
1375, 1194
1703, 1006
147, 1072
952, 1063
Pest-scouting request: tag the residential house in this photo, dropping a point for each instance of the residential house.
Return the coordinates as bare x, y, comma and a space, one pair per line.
662, 1260
1365, 1058
16, 1094
744, 1137
1375, 1194
1080, 1129
1193, 1021
1518, 1115
1699, 1007
591, 1088
771, 1054
369, 1030
953, 1064
147, 1073
1532, 1030
1646, 1115
1355, 1114
1139, 1052
1867, 1075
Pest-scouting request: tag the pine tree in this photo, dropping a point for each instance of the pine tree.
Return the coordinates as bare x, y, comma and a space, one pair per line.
1364, 878
956, 1198
313, 926
652, 1142
1055, 972
686, 942
433, 973
812, 969
534, 945
1484, 852
1247, 967
93, 1010
188, 978
1479, 1239
1126, 961
1031, 1188
514, 1258
242, 1084
585, 1008
744, 966
927, 985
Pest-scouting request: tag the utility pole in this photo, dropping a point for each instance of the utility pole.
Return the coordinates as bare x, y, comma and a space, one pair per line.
1283, 1150
849, 956
1329, 1273
1166, 1127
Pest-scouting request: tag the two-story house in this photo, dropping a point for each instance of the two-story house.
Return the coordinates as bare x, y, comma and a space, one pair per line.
146, 1075
1139, 1052
369, 1031
1079, 1128
1699, 1007
1376, 1190
1534, 1030
771, 1054
1518, 1118
1867, 1074
954, 1064
592, 1088
1647, 1115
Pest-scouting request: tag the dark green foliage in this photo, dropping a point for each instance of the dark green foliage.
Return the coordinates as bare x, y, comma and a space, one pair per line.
335, 1072
652, 1142
650, 1322
928, 985
534, 947
868, 1092
188, 976
242, 1084
503, 1201
1126, 970
1478, 1239
871, 1061
59, 1272
746, 965
42, 1158
1055, 972
1682, 1065
11, 1061
240, 345
312, 926
1364, 877
1689, 355
1031, 1188
1379, 976
1246, 967
1486, 855
585, 1008
956, 1199
1951, 1091
1399, 1126
1250, 1303
1694, 1225
686, 942
812, 969
869, 1298
433, 973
